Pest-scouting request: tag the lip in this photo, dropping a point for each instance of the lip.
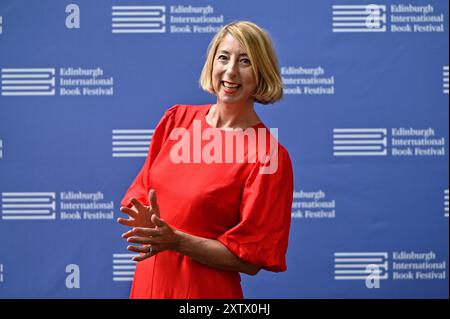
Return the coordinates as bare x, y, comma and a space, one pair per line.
232, 83
229, 90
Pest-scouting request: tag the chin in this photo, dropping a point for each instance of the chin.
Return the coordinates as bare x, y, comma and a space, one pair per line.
230, 101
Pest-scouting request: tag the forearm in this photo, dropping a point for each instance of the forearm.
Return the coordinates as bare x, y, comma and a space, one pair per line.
212, 253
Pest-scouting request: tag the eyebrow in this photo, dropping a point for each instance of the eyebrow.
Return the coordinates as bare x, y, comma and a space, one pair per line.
225, 51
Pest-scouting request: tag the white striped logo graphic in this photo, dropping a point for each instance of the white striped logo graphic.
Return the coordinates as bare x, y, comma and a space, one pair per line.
1, 24
1, 273
445, 79
138, 19
358, 265
131, 143
123, 267
446, 203
359, 142
1, 148
359, 18
29, 206
31, 81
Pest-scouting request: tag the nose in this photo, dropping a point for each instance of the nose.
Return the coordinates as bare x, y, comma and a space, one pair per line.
232, 69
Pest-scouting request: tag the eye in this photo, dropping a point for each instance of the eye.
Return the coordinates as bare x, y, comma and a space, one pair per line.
222, 57
245, 61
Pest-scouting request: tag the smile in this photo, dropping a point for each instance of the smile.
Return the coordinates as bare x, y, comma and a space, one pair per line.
230, 85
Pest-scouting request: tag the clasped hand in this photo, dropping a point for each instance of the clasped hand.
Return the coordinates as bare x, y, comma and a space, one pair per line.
148, 229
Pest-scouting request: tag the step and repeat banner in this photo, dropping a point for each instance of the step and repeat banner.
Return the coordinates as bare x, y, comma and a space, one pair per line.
364, 118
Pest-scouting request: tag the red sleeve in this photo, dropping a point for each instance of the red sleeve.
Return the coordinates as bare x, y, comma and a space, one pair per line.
261, 236
140, 187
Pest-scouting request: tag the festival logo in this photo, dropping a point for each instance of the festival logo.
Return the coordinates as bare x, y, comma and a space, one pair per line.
313, 205
445, 79
187, 19
69, 205
359, 18
28, 81
123, 267
374, 266
138, 19
307, 81
67, 81
28, 206
131, 143
359, 142
446, 203
359, 265
402, 142
395, 18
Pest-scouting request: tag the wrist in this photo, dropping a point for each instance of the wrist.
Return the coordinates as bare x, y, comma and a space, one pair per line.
179, 239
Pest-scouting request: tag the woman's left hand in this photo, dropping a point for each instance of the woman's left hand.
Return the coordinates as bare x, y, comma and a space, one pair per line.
162, 237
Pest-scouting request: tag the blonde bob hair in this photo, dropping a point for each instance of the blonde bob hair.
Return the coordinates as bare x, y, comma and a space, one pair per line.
256, 42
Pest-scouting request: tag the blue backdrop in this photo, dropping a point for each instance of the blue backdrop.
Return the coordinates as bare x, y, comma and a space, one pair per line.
364, 118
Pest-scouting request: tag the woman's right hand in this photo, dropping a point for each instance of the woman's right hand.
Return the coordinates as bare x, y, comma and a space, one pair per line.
139, 214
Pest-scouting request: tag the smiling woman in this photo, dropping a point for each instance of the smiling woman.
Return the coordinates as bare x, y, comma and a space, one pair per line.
214, 218
249, 46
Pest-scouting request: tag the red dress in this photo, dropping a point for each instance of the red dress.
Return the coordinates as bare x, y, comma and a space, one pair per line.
234, 203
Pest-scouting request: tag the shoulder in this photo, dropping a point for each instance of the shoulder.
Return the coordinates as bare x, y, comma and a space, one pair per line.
183, 114
180, 114
283, 152
273, 161
273, 146
186, 109
285, 161
281, 160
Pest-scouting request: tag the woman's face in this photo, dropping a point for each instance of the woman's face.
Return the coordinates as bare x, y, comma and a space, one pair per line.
233, 78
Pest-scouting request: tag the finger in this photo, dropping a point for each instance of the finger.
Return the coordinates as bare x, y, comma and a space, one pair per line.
126, 222
137, 204
146, 232
153, 200
141, 240
127, 234
139, 249
130, 212
157, 221
143, 257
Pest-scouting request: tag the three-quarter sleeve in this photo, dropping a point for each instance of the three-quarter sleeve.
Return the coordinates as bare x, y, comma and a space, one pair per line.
139, 188
261, 236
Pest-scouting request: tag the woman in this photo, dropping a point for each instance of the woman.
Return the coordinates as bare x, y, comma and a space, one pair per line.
199, 222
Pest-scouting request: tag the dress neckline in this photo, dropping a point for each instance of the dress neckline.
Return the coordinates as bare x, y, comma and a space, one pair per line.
206, 111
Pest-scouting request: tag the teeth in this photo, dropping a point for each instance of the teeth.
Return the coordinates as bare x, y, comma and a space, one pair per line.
230, 86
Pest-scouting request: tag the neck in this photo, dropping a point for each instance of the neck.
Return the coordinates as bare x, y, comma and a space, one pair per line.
222, 115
